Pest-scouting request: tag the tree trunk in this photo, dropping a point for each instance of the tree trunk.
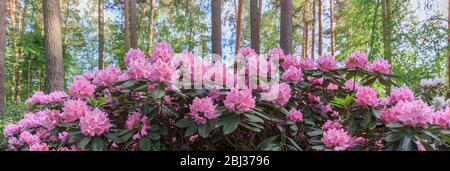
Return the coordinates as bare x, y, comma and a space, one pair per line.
30, 62
255, 17
216, 35
24, 16
387, 26
54, 62
2, 56
313, 30
332, 28
13, 29
126, 15
238, 26
286, 26
133, 24
320, 50
305, 30
448, 46
101, 38
150, 27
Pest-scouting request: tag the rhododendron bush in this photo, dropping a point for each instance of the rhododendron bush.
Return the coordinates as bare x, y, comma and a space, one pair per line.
274, 101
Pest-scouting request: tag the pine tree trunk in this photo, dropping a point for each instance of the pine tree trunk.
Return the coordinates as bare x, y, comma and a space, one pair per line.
332, 28
448, 46
13, 29
313, 30
101, 38
3, 4
54, 62
305, 30
238, 25
150, 27
133, 24
286, 26
30, 76
24, 16
255, 17
126, 9
216, 35
320, 48
387, 26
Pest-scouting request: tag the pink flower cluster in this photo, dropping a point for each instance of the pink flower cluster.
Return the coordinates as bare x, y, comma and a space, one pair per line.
107, 76
326, 63
366, 97
340, 140
292, 74
380, 66
132, 55
95, 123
163, 52
442, 118
352, 85
239, 100
74, 110
294, 116
412, 113
81, 88
356, 60
42, 98
401, 94
275, 53
202, 110
136, 120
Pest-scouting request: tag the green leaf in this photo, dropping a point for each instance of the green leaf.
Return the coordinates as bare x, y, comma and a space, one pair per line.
405, 144
75, 136
315, 133
158, 93
113, 137
98, 144
253, 118
145, 144
154, 136
84, 141
298, 148
191, 130
127, 136
184, 123
204, 130
230, 124
129, 83
266, 142
394, 125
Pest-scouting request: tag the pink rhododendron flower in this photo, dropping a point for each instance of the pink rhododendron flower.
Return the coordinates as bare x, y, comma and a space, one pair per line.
132, 55
420, 146
11, 130
203, 110
326, 63
39, 147
95, 123
49, 118
162, 71
292, 74
442, 118
412, 113
239, 100
294, 116
74, 109
107, 76
145, 126
41, 98
330, 124
132, 120
313, 98
245, 53
138, 69
64, 136
275, 53
306, 63
366, 97
314, 80
81, 88
352, 85
338, 139
356, 60
380, 66
332, 87
278, 93
290, 61
193, 138
162, 51
401, 94
29, 138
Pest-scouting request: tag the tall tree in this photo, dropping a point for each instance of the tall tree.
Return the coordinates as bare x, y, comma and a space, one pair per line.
150, 27
126, 9
101, 38
332, 28
2, 56
286, 26
313, 29
320, 46
387, 29
54, 62
255, 23
216, 35
448, 46
239, 25
305, 29
15, 90
133, 24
